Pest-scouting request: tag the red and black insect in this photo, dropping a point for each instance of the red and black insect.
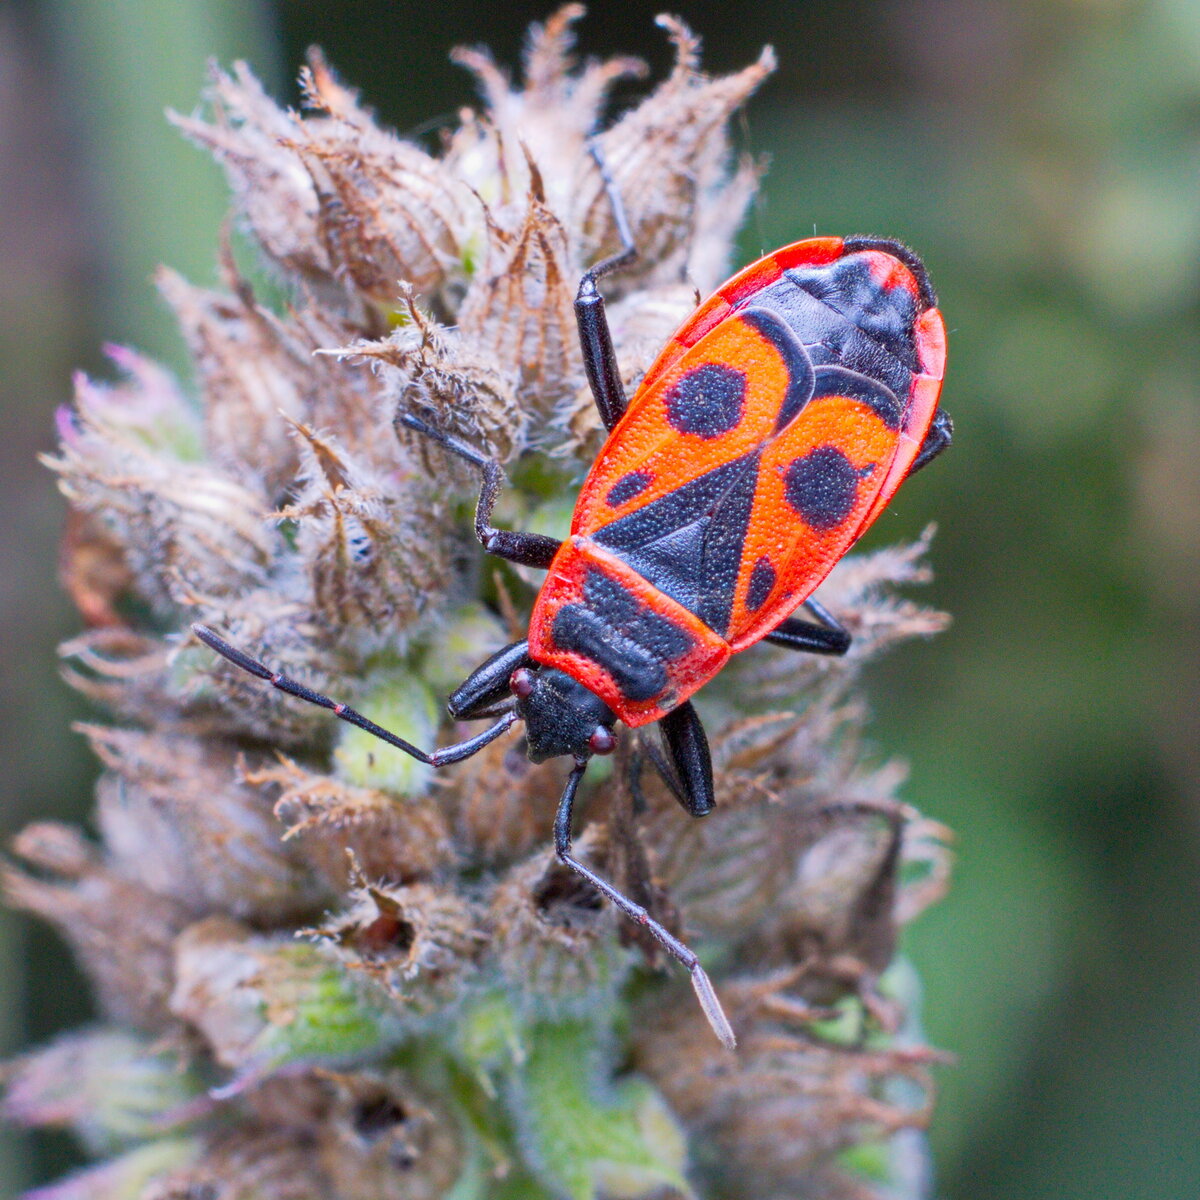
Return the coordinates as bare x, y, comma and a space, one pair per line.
768, 435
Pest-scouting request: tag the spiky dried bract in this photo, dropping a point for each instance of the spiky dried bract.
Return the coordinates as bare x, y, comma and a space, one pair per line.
773, 1116
676, 137
399, 839
174, 815
395, 986
120, 930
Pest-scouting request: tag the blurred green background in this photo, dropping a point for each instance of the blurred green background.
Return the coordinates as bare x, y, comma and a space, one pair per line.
1045, 160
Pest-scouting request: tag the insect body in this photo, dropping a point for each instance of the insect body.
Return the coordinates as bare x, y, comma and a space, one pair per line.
768, 435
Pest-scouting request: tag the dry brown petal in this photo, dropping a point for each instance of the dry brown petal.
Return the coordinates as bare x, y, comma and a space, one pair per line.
175, 817
398, 838
120, 931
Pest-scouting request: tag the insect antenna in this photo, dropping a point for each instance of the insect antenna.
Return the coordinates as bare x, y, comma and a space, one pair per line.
437, 758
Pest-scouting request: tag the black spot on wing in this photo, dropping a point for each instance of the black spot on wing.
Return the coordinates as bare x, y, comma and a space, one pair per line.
821, 486
838, 381
628, 486
616, 631
689, 542
795, 358
708, 401
762, 580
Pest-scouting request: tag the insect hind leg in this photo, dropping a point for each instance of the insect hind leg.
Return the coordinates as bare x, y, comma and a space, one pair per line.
826, 635
525, 549
636, 913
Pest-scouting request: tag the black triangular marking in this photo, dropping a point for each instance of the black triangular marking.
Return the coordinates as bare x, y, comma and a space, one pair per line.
688, 543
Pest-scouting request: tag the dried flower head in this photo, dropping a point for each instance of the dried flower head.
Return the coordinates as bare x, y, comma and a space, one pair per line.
386, 980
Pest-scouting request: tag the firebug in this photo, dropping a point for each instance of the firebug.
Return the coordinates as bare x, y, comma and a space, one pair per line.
770, 432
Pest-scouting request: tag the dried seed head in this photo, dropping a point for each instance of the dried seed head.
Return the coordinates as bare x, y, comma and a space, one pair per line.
273, 194
178, 523
423, 366
552, 934
253, 369
517, 312
418, 943
676, 137
174, 816
120, 931
386, 211
397, 838
109, 1087
265, 1002
545, 121
369, 563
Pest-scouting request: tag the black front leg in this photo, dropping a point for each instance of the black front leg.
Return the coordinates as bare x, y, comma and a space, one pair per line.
526, 549
635, 912
595, 337
487, 685
828, 637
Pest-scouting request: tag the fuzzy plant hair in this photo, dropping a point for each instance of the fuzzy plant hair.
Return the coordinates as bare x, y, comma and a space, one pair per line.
318, 969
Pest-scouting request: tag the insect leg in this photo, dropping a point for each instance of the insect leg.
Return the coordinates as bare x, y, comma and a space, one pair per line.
683, 736
438, 758
939, 436
635, 912
595, 337
527, 549
827, 637
487, 685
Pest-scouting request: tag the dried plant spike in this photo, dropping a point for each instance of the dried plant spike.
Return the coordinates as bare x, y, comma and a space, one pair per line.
417, 956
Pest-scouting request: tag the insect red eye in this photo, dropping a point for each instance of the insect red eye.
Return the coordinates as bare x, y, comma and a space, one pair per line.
520, 683
602, 741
